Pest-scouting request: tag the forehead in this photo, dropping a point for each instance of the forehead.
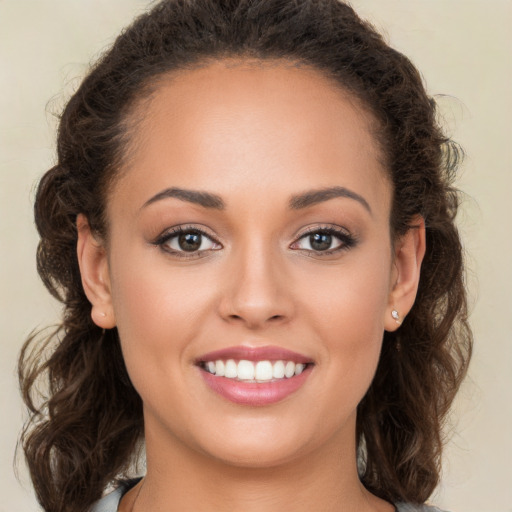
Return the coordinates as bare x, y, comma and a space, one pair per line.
269, 124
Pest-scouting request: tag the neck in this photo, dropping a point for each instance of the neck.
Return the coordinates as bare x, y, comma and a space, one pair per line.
180, 478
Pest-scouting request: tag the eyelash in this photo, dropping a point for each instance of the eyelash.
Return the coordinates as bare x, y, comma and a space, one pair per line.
166, 237
347, 240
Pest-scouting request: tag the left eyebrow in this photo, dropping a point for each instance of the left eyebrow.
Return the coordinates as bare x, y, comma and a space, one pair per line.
312, 197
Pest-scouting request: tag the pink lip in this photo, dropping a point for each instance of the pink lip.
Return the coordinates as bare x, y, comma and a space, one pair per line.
266, 353
252, 393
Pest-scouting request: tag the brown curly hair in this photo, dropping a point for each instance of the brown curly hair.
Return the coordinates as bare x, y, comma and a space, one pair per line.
85, 430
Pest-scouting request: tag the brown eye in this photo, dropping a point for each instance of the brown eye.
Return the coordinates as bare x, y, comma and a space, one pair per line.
190, 241
320, 241
325, 241
186, 240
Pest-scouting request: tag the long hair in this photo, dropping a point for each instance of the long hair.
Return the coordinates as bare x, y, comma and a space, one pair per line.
84, 429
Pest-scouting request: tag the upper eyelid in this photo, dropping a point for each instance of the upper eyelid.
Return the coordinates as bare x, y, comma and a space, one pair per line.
175, 230
183, 228
325, 227
341, 233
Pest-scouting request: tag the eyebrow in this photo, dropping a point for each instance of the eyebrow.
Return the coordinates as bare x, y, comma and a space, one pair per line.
313, 197
205, 199
297, 202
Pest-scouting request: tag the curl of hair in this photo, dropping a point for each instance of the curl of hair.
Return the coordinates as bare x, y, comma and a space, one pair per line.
83, 432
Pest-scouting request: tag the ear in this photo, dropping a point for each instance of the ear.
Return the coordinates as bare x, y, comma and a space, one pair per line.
409, 252
93, 263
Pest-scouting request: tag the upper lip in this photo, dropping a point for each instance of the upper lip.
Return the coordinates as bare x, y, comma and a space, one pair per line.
265, 353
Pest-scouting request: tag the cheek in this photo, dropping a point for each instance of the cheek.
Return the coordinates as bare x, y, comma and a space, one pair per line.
348, 314
158, 312
351, 298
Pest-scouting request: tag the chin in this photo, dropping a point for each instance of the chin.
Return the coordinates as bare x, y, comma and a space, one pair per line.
267, 443
252, 456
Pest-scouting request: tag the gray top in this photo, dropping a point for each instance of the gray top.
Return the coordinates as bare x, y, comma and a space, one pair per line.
110, 502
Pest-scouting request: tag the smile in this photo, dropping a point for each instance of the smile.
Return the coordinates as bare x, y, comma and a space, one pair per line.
250, 371
254, 376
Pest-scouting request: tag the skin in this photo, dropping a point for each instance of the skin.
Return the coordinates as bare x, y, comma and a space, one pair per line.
254, 134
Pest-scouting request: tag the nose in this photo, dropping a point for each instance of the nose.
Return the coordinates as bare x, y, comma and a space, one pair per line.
257, 290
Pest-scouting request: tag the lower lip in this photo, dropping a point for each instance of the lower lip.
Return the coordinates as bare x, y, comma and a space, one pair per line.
252, 393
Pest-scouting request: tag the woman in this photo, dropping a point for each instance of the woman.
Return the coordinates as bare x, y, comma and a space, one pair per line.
250, 226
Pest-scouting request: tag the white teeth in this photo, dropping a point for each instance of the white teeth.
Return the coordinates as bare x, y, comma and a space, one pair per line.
219, 368
260, 371
278, 370
230, 370
289, 369
245, 370
263, 370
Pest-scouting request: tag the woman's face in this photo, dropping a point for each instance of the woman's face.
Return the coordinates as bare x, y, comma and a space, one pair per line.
251, 222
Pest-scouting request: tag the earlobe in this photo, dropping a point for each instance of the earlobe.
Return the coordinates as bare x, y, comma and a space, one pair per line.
94, 270
409, 253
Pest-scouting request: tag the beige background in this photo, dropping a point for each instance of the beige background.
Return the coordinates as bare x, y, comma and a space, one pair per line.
462, 47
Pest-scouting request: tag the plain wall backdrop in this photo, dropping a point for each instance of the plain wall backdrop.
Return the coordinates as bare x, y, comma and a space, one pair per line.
463, 48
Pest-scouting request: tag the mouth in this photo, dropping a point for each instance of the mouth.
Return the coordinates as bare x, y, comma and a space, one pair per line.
254, 376
253, 371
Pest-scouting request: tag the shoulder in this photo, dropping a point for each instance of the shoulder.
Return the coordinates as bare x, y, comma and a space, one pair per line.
110, 502
408, 507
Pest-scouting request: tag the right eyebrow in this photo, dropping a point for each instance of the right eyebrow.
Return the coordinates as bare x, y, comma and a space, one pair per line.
204, 199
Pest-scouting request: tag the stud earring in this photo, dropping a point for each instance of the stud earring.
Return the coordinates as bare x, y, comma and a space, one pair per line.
396, 316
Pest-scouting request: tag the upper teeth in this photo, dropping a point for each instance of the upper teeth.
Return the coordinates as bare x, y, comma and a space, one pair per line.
258, 371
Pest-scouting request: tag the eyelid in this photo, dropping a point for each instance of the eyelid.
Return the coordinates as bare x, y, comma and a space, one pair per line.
175, 231
344, 236
325, 228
